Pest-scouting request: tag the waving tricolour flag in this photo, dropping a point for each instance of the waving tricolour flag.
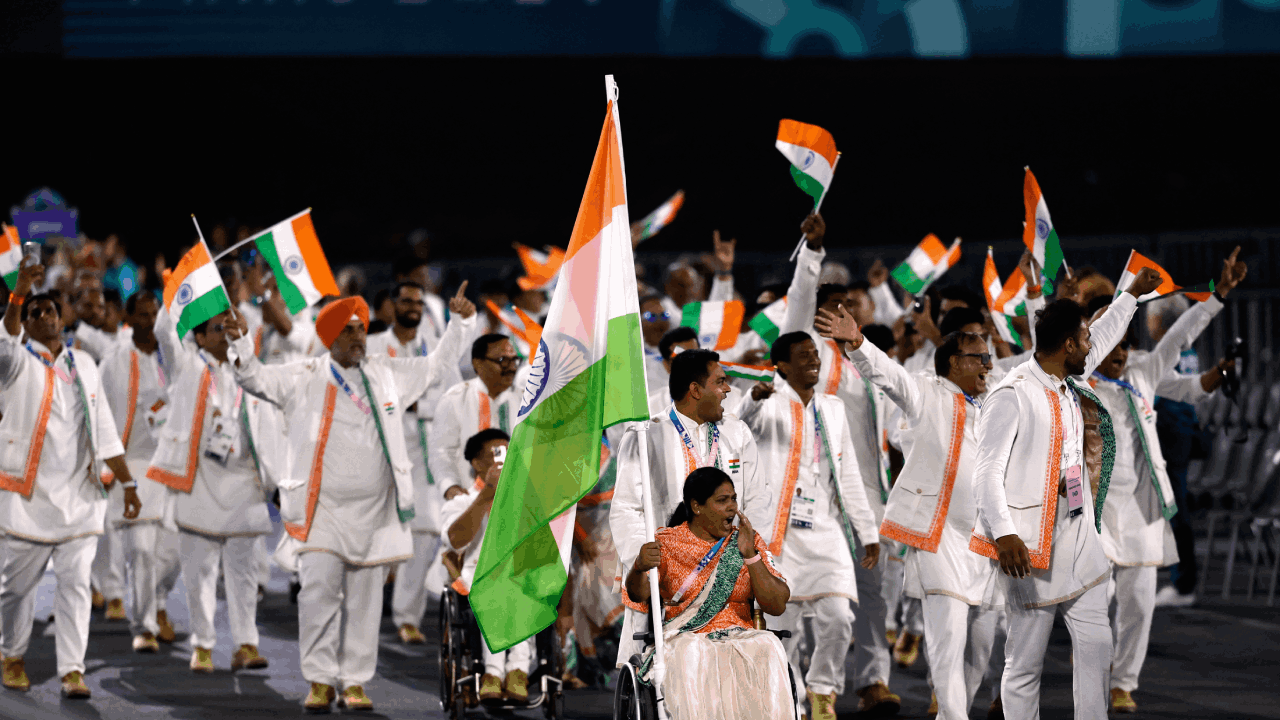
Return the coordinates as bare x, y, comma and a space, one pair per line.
587, 375
653, 223
812, 152
193, 292
926, 263
1038, 233
768, 322
525, 332
1006, 301
301, 271
758, 373
1137, 261
540, 266
716, 323
10, 255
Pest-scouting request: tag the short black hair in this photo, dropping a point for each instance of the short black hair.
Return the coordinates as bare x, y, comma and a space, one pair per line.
380, 297
859, 286
480, 348
962, 294
395, 291
688, 367
700, 486
131, 305
949, 348
476, 442
780, 351
671, 337
50, 296
651, 297
827, 290
1100, 301
958, 317
1056, 322
879, 335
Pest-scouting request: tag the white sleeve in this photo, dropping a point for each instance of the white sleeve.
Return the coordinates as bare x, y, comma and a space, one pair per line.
626, 512
108, 439
756, 500
453, 509
446, 448
887, 308
1181, 388
277, 384
721, 290
855, 494
900, 386
1188, 327
997, 429
1107, 330
802, 295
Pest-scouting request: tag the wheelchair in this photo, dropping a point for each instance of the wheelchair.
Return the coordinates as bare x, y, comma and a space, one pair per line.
634, 700
461, 660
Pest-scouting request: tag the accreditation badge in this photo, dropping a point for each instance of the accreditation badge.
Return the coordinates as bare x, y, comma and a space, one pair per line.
804, 509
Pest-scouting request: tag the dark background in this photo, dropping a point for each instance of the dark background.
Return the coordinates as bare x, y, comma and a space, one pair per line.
486, 151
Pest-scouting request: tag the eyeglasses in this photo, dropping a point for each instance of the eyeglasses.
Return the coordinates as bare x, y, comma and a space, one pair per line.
984, 358
508, 360
655, 317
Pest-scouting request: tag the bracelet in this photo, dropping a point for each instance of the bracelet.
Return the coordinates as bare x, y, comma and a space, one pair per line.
129, 485
16, 299
751, 560
1034, 288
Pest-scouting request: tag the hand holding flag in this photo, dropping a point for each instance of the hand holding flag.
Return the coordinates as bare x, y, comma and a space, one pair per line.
813, 155
1038, 233
653, 223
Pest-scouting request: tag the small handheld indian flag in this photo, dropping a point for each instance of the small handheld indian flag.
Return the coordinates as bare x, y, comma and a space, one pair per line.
1004, 300
759, 373
716, 323
768, 322
10, 255
1038, 233
525, 333
540, 267
653, 223
193, 292
812, 152
1137, 261
292, 250
926, 263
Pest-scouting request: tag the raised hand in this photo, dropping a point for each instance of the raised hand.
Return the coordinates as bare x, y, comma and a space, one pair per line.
878, 274
1148, 279
746, 537
236, 325
814, 228
1030, 272
460, 305
724, 253
1233, 272
761, 390
839, 327
29, 276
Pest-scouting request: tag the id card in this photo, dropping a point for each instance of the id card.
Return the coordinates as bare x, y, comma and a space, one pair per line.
219, 445
803, 510
1075, 491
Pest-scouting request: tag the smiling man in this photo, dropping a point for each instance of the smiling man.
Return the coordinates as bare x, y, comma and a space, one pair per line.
806, 445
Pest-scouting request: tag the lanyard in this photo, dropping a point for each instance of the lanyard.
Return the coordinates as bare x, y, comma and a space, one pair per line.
691, 450
213, 374
817, 434
972, 400
74, 379
52, 364
693, 576
845, 523
1121, 383
351, 393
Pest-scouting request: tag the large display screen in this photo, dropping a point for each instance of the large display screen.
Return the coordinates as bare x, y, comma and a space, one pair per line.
684, 28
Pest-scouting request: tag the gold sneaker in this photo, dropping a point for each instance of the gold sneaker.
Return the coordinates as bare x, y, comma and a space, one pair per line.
823, 706
517, 686
411, 635
933, 704
97, 599
202, 661
318, 700
145, 643
891, 636
166, 634
15, 674
353, 698
877, 700
1122, 701
73, 686
490, 687
247, 657
115, 611
907, 650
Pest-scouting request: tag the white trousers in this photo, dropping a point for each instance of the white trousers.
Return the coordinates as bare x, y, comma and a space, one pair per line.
108, 564
995, 666
202, 558
153, 555
957, 641
416, 579
339, 611
1086, 618
832, 619
24, 564
1135, 589
893, 569
516, 657
263, 560
871, 651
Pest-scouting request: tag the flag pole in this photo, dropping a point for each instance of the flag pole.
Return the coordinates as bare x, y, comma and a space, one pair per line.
817, 206
206, 249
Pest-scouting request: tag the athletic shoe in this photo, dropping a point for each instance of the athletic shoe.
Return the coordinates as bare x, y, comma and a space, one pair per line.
166, 634
1169, 596
823, 706
73, 686
517, 686
878, 701
247, 657
891, 636
1122, 701
411, 635
145, 643
97, 599
15, 674
115, 611
318, 701
933, 704
907, 650
490, 687
353, 698
202, 661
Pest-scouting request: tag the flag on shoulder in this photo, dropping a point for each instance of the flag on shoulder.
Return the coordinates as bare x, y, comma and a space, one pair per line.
716, 323
193, 292
10, 255
301, 271
653, 223
587, 374
926, 263
525, 332
768, 322
1005, 301
812, 152
759, 373
1137, 261
1038, 233
540, 267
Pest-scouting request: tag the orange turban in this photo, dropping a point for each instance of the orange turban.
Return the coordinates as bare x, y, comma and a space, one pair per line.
335, 316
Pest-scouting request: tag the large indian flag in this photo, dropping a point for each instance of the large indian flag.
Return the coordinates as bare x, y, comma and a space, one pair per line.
10, 256
768, 322
653, 223
587, 375
1038, 233
1137, 261
1005, 300
292, 250
812, 152
716, 323
926, 263
193, 292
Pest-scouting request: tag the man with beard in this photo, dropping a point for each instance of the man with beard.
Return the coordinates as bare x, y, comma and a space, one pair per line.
1037, 515
350, 498
806, 443
404, 339
491, 399
693, 431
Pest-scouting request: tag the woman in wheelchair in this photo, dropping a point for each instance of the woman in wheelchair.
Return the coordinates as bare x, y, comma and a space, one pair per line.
718, 665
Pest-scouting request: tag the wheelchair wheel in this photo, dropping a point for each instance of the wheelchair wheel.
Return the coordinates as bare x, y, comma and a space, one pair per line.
444, 658
633, 700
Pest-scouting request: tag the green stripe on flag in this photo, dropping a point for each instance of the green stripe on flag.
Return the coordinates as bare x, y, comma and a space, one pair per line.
11, 279
807, 183
292, 296
1052, 261
691, 315
908, 279
201, 309
765, 328
624, 398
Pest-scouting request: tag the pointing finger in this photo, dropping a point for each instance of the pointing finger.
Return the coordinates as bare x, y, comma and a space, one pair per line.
462, 289
1234, 253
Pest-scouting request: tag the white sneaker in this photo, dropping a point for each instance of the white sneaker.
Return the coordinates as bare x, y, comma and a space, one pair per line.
1169, 596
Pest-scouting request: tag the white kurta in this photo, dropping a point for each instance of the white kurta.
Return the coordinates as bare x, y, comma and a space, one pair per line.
464, 410
138, 427
449, 514
99, 343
